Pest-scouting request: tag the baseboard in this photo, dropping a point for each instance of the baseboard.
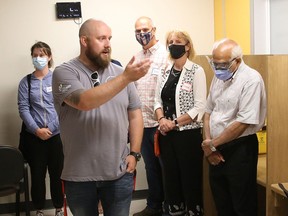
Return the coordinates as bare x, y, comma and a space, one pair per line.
6, 208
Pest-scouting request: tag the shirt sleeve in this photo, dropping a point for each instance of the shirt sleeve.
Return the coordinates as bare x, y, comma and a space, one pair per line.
24, 106
158, 101
250, 102
209, 103
65, 81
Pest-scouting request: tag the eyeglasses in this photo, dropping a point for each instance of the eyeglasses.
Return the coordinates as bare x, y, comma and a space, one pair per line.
223, 65
95, 79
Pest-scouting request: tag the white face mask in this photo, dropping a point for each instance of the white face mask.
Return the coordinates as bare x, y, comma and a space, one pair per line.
39, 62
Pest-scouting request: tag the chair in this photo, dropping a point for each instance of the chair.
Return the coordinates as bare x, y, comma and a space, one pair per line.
14, 176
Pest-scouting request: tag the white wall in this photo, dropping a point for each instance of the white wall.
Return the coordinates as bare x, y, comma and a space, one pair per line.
260, 27
22, 23
278, 23
269, 26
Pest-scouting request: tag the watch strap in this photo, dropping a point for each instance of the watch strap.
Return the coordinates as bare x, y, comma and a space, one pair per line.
137, 155
212, 147
176, 123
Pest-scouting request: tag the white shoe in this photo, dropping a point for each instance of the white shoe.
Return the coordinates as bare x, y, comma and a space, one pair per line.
59, 213
39, 213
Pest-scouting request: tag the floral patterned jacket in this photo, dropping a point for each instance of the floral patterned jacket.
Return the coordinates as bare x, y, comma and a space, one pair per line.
191, 92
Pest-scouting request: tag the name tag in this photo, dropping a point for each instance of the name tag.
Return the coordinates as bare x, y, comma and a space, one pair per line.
155, 71
49, 89
187, 87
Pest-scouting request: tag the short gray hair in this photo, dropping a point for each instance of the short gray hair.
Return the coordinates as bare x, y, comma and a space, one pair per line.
236, 52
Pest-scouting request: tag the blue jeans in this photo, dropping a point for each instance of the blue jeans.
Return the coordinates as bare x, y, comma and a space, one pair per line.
153, 170
116, 196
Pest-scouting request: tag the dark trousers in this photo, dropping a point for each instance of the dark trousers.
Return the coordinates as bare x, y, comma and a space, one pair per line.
182, 158
234, 182
153, 170
42, 155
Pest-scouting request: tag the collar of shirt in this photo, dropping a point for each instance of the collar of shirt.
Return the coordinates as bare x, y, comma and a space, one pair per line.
236, 72
152, 49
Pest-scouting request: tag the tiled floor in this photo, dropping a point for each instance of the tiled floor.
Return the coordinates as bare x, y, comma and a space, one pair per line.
136, 205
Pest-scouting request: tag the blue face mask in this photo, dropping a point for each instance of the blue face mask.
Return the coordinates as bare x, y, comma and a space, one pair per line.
222, 70
144, 38
223, 74
39, 62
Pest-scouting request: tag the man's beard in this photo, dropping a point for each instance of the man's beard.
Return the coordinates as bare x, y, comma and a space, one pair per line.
97, 60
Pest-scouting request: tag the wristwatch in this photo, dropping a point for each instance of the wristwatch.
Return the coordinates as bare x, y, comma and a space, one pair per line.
212, 147
176, 123
137, 155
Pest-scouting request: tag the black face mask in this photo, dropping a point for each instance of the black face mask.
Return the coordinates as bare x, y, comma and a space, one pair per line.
176, 51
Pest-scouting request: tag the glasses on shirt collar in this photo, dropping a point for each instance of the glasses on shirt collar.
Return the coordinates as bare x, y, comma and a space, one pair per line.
95, 78
222, 65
